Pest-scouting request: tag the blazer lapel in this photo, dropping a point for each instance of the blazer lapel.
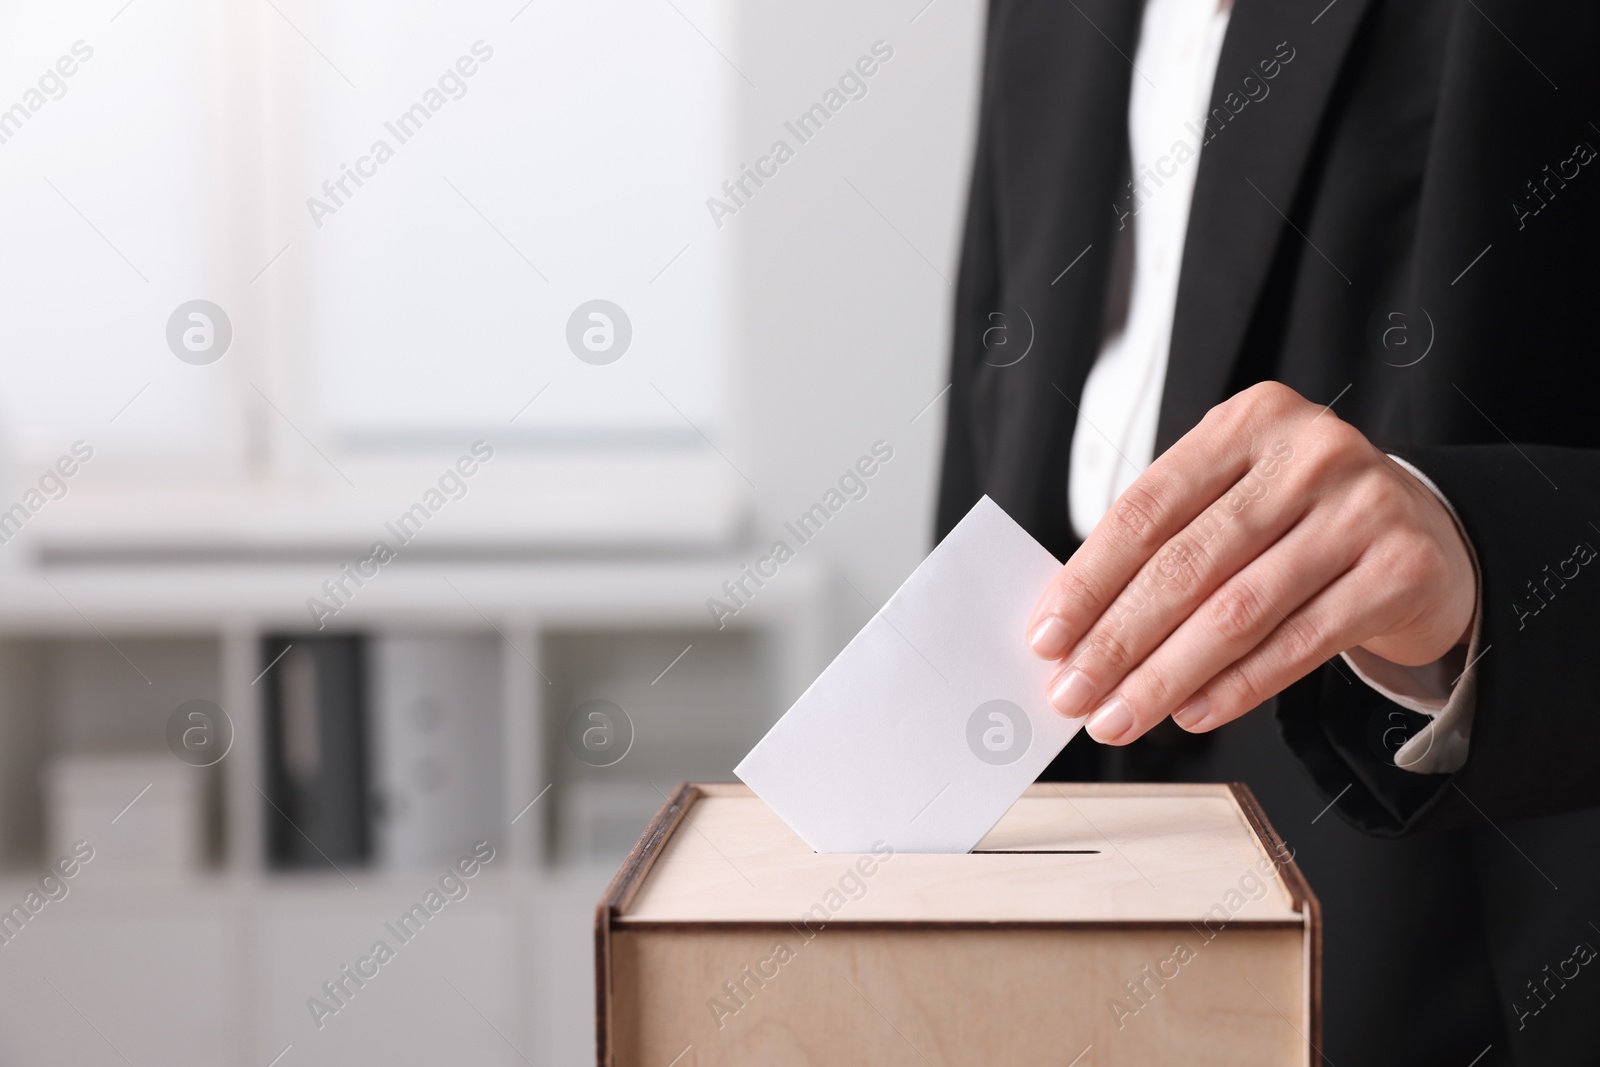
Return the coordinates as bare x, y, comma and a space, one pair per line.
1250, 170
1058, 119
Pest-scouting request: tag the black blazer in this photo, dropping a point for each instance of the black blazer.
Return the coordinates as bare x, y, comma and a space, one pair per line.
1396, 206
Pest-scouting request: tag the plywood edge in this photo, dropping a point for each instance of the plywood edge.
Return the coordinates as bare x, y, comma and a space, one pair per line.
630, 876
1313, 981
1294, 882
1289, 874
624, 884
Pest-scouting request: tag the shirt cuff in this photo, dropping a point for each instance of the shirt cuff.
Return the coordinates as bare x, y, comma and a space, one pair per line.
1445, 690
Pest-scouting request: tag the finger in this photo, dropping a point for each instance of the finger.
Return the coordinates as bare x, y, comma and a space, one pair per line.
1183, 481
1170, 586
1232, 621
1335, 619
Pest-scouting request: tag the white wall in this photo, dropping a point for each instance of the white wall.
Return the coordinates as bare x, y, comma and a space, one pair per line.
843, 326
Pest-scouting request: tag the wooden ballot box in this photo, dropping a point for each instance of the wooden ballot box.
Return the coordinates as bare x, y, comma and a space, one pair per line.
1095, 925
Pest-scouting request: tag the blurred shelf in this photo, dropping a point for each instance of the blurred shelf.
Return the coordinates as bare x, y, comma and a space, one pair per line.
97, 653
638, 502
176, 597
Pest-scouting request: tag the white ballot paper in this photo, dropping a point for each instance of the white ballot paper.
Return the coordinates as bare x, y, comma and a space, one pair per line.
934, 719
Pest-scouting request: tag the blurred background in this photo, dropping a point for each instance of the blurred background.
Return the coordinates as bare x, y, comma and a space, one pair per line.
400, 407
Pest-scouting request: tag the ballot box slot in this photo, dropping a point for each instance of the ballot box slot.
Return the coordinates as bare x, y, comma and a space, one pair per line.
1035, 852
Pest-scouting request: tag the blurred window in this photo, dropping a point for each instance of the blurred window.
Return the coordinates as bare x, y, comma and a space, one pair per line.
398, 209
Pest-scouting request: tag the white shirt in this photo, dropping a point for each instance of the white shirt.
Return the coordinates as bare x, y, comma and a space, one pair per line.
1175, 64
1115, 437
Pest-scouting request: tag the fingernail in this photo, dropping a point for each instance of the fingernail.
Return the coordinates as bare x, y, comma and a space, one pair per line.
1071, 694
1193, 713
1049, 638
1113, 720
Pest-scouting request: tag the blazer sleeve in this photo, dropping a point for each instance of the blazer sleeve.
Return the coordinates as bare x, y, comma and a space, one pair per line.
1530, 513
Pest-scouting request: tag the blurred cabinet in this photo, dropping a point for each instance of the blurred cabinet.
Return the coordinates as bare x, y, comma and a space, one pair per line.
181, 943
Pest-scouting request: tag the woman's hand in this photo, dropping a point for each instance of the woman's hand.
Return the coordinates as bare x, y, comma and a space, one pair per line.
1270, 538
